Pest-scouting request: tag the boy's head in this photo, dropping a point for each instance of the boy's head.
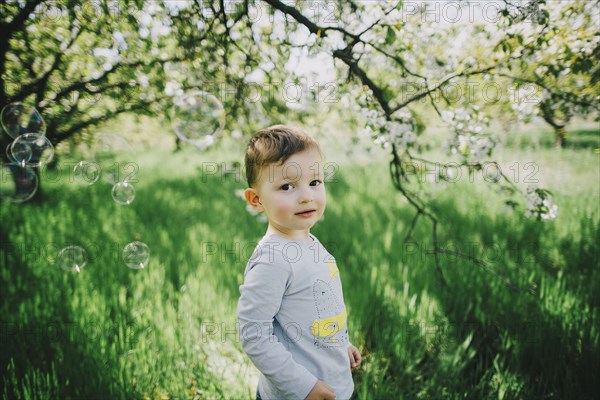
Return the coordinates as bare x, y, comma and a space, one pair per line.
275, 145
284, 170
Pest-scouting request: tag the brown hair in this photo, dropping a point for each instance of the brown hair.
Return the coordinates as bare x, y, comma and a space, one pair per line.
275, 144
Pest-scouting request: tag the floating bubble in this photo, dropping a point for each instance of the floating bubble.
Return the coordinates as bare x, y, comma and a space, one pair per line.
72, 258
32, 149
19, 119
20, 152
114, 155
123, 193
86, 172
9, 156
17, 183
136, 255
198, 118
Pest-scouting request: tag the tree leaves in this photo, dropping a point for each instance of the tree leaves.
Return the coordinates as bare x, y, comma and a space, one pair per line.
390, 36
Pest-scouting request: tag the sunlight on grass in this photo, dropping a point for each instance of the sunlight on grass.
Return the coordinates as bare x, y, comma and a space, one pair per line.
170, 330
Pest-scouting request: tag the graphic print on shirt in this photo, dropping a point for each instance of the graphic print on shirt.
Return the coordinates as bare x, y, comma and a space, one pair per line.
333, 269
329, 330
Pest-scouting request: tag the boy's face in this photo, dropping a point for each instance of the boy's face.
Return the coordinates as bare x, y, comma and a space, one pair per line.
292, 195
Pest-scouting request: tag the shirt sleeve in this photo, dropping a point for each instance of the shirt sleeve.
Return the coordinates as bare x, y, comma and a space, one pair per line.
265, 281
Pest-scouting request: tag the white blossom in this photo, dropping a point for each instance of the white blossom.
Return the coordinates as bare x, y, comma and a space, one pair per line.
236, 134
540, 204
119, 40
143, 80
172, 88
110, 56
470, 141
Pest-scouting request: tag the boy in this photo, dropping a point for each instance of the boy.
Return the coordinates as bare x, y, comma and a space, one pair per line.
291, 312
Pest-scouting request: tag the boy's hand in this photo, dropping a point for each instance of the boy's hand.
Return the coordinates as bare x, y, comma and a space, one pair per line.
355, 358
321, 391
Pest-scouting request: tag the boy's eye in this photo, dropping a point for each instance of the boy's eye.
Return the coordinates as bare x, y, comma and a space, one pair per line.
288, 186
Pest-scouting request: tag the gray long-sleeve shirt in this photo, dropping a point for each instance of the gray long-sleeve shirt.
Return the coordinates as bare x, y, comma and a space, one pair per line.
292, 319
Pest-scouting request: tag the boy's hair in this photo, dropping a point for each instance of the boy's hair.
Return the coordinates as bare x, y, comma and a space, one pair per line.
275, 144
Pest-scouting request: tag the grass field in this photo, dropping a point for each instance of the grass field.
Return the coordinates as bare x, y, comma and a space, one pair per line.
524, 327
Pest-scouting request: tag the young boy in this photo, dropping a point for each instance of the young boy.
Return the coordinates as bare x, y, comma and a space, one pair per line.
291, 312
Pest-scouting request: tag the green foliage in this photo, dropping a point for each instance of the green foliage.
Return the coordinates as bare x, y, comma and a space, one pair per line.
82, 63
111, 332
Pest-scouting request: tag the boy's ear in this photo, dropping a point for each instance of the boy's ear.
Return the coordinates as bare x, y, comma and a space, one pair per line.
253, 199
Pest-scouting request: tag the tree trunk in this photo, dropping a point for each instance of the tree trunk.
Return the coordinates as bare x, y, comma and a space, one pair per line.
561, 136
20, 176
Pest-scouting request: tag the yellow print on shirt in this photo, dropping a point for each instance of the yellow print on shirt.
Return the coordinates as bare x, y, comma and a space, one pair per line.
329, 328
333, 269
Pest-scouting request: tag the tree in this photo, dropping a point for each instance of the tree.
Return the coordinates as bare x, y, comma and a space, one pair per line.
559, 64
84, 63
387, 40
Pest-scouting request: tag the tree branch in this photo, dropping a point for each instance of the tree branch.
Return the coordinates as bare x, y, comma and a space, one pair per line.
7, 30
427, 92
16, 24
62, 135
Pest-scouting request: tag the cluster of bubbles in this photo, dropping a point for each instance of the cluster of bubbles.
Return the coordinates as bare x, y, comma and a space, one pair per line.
87, 172
136, 255
110, 156
30, 148
198, 118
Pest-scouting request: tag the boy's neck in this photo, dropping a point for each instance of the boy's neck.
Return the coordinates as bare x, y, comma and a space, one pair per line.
301, 235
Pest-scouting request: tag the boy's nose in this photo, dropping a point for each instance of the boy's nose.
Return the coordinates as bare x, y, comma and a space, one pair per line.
306, 196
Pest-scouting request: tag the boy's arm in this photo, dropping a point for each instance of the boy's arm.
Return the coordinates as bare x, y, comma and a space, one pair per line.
261, 296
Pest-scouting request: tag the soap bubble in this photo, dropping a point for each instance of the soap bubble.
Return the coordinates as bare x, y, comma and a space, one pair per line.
114, 155
18, 119
20, 152
123, 193
17, 183
86, 172
198, 118
9, 155
72, 258
136, 255
32, 149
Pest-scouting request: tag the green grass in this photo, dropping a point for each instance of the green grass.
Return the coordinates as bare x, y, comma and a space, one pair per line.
585, 137
168, 331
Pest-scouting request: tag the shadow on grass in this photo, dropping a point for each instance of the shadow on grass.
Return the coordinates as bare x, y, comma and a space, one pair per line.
583, 139
206, 223
555, 348
44, 351
543, 339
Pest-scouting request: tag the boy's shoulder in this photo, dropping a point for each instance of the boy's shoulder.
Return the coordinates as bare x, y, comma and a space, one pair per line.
274, 247
269, 249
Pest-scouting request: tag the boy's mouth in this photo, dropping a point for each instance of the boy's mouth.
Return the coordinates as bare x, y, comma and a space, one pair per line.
306, 213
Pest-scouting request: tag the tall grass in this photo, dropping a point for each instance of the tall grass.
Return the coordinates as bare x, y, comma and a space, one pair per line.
526, 326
